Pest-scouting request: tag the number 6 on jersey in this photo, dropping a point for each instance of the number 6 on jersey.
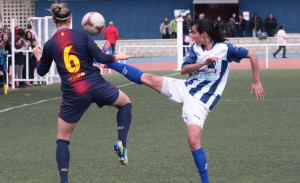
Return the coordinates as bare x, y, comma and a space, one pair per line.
71, 61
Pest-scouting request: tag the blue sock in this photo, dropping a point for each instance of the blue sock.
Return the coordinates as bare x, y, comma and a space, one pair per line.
124, 120
130, 72
63, 159
201, 164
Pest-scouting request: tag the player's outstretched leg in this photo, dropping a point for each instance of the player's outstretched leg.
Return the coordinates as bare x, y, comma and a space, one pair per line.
131, 73
138, 76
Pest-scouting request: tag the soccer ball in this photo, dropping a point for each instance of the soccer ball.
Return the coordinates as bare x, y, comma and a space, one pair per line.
93, 23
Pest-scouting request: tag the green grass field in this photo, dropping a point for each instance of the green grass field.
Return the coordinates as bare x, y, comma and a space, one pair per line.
245, 140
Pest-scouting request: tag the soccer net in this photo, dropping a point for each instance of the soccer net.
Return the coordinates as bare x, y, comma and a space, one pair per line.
43, 28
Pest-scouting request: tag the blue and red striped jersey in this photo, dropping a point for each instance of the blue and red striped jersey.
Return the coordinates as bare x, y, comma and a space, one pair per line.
73, 52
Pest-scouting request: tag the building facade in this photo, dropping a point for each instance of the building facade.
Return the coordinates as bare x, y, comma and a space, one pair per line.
136, 19
21, 10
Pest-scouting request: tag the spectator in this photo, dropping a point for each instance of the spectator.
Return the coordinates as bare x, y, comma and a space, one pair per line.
271, 24
3, 55
1, 72
21, 33
234, 21
7, 46
32, 60
16, 30
29, 28
165, 29
7, 31
230, 28
189, 22
281, 39
173, 25
255, 24
19, 60
5, 27
186, 38
202, 16
29, 37
241, 26
1, 78
112, 35
220, 23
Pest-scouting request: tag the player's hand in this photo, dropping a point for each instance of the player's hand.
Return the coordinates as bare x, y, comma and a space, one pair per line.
258, 90
1, 73
211, 60
121, 56
37, 52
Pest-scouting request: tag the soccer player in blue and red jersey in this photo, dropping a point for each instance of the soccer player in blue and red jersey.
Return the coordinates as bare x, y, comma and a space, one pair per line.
207, 64
73, 52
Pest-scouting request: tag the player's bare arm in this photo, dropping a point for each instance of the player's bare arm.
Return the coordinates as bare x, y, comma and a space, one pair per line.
193, 67
256, 85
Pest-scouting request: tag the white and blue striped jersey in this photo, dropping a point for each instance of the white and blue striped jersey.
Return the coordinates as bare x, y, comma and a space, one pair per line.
208, 82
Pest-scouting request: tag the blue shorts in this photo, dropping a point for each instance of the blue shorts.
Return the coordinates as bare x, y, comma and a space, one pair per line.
73, 107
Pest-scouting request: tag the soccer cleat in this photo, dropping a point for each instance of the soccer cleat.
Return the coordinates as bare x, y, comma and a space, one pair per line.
122, 152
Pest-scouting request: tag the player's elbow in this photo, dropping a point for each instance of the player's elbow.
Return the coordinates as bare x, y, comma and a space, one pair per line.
183, 71
40, 72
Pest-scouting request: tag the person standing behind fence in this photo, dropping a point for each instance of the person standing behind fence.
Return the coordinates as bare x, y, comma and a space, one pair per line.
1, 71
112, 35
29, 28
281, 39
173, 25
165, 29
220, 23
234, 21
3, 55
189, 22
32, 60
7, 45
1, 79
271, 24
255, 24
229, 28
22, 34
19, 61
241, 26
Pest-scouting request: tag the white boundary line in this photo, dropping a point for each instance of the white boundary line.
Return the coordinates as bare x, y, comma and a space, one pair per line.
46, 100
25, 105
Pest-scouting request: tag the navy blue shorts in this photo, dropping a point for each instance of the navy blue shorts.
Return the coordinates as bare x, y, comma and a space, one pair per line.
73, 107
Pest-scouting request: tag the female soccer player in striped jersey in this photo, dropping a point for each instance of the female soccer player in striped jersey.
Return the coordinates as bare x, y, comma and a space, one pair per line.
208, 65
73, 52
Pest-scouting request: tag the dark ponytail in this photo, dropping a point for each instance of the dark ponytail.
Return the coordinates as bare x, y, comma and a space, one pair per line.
213, 31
